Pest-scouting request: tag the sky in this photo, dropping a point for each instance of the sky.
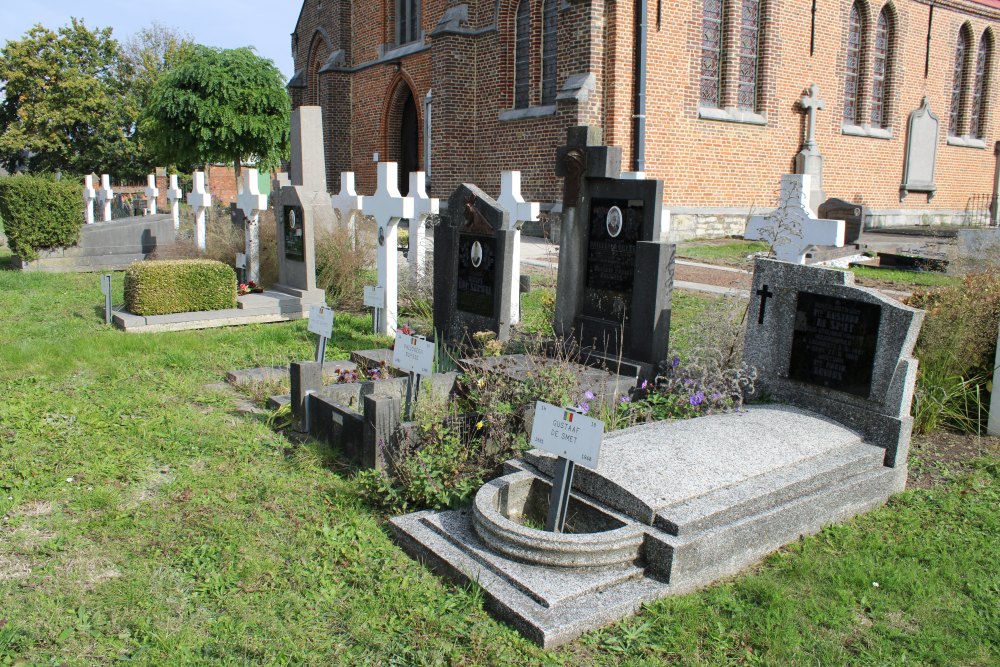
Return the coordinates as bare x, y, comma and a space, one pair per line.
265, 25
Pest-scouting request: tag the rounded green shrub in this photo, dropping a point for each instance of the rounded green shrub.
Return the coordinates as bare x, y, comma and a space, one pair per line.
40, 213
179, 286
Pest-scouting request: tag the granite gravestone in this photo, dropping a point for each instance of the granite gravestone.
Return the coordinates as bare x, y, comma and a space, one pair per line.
921, 152
303, 207
615, 274
853, 216
473, 253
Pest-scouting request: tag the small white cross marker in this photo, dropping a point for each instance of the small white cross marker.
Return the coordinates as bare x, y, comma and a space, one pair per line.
518, 211
200, 200
423, 206
388, 207
152, 192
104, 197
252, 202
174, 196
793, 227
89, 195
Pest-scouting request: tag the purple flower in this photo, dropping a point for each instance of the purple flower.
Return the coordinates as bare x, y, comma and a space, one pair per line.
624, 399
645, 383
673, 364
589, 395
688, 382
716, 396
696, 398
583, 407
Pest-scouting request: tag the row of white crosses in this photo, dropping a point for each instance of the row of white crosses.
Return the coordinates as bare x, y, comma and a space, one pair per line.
102, 196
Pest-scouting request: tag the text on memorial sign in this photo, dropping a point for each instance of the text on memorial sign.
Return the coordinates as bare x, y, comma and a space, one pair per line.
568, 434
321, 321
413, 354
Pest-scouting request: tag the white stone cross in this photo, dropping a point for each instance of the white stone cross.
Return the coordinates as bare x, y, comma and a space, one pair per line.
518, 211
793, 227
104, 197
252, 202
200, 200
423, 206
174, 196
152, 192
89, 195
388, 207
347, 202
811, 103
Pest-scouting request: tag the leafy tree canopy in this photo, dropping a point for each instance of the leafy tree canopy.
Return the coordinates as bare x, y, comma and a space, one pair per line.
218, 106
64, 102
149, 53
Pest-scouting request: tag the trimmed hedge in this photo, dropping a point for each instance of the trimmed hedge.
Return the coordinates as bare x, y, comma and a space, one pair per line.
179, 286
40, 213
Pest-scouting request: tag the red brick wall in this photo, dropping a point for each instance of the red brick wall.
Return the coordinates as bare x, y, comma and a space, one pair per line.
703, 163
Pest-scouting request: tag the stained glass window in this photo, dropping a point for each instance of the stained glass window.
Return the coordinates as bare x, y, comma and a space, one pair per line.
711, 53
522, 56
407, 21
976, 113
550, 50
749, 50
961, 49
880, 71
852, 68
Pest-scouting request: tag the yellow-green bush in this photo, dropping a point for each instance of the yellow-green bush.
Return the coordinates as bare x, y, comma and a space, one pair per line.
40, 213
179, 286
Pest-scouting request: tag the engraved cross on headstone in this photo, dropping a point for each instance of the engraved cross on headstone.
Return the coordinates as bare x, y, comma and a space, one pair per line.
811, 103
764, 293
388, 207
519, 211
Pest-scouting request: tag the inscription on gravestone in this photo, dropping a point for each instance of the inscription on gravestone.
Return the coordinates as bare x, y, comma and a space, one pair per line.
615, 229
834, 343
476, 274
294, 240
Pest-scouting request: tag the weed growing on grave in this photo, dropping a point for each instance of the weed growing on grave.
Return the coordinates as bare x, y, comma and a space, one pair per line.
341, 266
957, 349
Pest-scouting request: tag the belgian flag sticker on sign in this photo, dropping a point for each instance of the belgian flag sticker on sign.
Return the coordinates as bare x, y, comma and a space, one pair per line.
569, 416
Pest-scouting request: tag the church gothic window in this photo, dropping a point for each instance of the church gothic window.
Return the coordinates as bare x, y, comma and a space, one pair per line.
852, 68
977, 114
407, 21
711, 53
550, 49
522, 55
731, 32
880, 69
962, 51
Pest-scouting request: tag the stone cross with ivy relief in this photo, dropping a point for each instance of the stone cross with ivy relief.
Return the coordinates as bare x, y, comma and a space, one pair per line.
105, 195
793, 227
423, 206
520, 212
151, 192
388, 207
174, 195
89, 195
252, 202
200, 200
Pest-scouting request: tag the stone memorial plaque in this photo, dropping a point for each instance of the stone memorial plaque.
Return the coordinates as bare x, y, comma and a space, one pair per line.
294, 230
615, 229
476, 274
834, 343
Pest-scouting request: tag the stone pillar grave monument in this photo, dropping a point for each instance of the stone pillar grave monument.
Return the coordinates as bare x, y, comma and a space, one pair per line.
809, 161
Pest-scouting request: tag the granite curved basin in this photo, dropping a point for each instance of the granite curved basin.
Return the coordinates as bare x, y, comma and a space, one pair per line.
593, 538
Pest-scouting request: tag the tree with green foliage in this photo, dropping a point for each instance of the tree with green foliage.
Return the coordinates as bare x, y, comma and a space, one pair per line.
218, 106
149, 53
64, 103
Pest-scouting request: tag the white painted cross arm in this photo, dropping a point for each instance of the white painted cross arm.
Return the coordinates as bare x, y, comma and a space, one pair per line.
251, 201
152, 192
511, 200
422, 204
347, 201
199, 197
387, 204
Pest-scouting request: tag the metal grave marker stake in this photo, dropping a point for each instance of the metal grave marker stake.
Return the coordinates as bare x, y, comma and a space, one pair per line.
374, 298
574, 438
321, 324
415, 355
106, 289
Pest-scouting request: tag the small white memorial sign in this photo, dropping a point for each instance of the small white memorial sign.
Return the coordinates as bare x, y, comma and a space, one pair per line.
241, 260
414, 354
567, 433
321, 321
374, 296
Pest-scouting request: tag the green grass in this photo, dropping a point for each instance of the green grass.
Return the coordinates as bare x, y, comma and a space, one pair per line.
148, 521
730, 252
914, 278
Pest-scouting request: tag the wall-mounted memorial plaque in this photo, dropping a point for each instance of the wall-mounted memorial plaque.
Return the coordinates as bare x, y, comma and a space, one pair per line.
921, 152
294, 230
834, 343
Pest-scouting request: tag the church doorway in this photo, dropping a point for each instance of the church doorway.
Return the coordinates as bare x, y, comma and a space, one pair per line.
409, 142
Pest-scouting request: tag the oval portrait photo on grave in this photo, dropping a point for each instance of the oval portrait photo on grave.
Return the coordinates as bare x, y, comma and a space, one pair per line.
614, 222
477, 254
381, 236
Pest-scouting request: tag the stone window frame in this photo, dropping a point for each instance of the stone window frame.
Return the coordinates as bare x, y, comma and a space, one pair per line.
522, 54
533, 95
962, 85
550, 51
731, 55
852, 74
868, 100
982, 88
407, 22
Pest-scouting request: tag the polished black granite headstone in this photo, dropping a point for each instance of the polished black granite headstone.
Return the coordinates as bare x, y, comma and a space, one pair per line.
294, 239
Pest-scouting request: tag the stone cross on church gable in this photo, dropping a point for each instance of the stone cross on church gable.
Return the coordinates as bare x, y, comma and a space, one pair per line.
174, 195
151, 192
423, 206
518, 211
793, 227
104, 197
199, 199
388, 207
811, 103
89, 195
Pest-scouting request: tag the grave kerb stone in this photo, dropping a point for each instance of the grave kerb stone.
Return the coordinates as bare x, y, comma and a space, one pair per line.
151, 192
793, 227
520, 212
388, 207
200, 200
883, 416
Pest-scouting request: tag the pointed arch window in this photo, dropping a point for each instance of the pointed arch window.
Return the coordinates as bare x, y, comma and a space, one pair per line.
852, 67
976, 115
749, 55
880, 69
522, 55
550, 50
711, 54
962, 50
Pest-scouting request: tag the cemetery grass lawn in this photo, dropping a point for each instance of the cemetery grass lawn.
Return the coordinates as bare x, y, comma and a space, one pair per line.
721, 251
144, 519
894, 278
